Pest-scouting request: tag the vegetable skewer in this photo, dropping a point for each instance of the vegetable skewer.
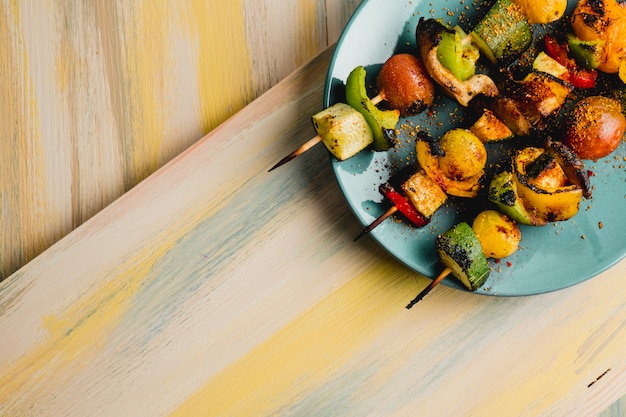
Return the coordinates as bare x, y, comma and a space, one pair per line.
414, 194
464, 249
310, 143
461, 252
402, 82
516, 107
460, 154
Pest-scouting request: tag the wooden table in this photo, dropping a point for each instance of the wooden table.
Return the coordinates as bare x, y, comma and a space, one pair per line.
217, 288
97, 95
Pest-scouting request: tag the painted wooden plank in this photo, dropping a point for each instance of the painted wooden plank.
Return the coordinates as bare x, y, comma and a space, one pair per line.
618, 409
97, 96
216, 288
338, 13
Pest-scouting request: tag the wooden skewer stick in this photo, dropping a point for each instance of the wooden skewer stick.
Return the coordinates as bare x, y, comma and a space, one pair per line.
377, 99
311, 142
302, 149
376, 222
430, 286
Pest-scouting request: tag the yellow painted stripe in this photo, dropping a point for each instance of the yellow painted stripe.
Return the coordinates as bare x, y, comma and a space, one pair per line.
145, 45
77, 335
143, 48
310, 43
224, 67
21, 154
258, 383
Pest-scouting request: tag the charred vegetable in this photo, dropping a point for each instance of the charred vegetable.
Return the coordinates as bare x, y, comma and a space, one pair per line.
499, 236
526, 104
545, 63
457, 53
565, 53
543, 186
489, 128
459, 249
542, 92
503, 193
538, 96
403, 205
429, 36
604, 22
343, 130
416, 196
504, 33
424, 194
464, 155
586, 53
573, 167
456, 163
507, 110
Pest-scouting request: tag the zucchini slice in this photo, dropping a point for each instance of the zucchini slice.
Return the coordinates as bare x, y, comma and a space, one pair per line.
459, 249
344, 130
504, 33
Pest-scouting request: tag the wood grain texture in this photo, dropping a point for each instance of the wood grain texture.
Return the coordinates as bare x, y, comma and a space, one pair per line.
338, 13
96, 96
216, 288
170, 297
617, 409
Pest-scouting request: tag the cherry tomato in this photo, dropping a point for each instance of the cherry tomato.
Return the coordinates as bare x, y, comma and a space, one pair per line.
405, 85
594, 127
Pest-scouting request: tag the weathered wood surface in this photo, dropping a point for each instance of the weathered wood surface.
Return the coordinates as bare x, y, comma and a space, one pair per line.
216, 288
97, 95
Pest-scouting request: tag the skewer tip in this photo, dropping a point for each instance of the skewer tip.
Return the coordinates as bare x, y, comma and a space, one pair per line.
430, 286
376, 222
302, 149
282, 161
360, 235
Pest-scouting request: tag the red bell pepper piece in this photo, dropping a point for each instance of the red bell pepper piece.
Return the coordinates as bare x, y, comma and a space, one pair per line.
399, 203
403, 205
579, 77
556, 50
583, 78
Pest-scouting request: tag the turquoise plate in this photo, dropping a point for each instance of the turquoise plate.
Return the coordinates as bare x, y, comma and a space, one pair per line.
550, 257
